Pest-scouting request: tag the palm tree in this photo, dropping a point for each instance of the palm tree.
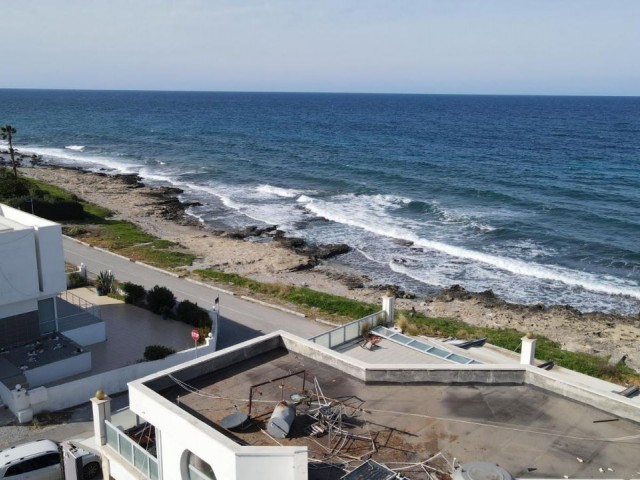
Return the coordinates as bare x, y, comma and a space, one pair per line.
7, 134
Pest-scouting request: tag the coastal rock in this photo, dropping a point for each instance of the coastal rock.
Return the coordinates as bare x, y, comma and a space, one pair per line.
131, 179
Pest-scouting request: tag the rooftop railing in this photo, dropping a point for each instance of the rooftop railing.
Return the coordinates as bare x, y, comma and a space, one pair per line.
131, 452
348, 332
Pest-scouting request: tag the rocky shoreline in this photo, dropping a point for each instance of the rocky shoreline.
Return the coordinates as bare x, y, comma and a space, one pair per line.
265, 253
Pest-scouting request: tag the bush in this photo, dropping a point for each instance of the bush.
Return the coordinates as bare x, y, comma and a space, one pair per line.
75, 280
133, 294
160, 299
192, 314
104, 282
157, 352
52, 209
11, 187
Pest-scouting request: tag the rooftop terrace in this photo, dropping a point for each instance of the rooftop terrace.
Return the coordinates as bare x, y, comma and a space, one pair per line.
530, 432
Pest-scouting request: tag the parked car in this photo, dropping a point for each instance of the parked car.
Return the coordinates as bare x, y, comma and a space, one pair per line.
42, 460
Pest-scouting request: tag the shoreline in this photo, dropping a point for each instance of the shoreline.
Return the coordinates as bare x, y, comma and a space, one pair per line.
281, 259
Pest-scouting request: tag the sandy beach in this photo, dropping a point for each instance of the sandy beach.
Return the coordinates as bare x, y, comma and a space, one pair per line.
595, 333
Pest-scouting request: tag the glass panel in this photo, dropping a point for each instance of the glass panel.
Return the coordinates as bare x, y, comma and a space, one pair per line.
125, 448
352, 331
401, 339
323, 341
46, 316
112, 437
337, 337
153, 469
140, 460
458, 358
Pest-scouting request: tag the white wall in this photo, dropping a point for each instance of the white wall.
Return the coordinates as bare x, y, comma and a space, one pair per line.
19, 268
78, 391
89, 334
32, 254
51, 254
52, 372
181, 432
18, 307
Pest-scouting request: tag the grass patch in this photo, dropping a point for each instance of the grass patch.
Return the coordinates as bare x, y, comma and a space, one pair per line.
125, 238
508, 338
339, 308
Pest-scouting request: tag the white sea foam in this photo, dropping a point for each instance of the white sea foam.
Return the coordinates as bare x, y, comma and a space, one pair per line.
270, 190
77, 148
368, 213
64, 156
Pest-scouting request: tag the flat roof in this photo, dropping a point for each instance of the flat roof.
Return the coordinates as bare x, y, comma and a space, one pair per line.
7, 224
528, 431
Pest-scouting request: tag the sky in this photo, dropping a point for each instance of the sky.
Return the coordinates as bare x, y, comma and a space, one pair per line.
546, 47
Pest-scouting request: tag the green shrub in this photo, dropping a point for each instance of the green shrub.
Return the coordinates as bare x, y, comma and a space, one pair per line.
11, 187
53, 209
192, 314
160, 300
133, 294
75, 280
157, 352
104, 282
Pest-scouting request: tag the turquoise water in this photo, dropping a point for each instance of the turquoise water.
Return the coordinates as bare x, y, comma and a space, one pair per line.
533, 197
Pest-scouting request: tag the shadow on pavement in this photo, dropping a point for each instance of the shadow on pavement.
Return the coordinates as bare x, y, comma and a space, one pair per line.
232, 333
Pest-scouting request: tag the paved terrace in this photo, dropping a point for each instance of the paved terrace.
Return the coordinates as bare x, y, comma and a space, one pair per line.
530, 432
129, 330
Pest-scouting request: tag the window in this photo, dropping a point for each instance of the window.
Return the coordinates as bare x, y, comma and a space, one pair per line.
47, 460
196, 468
19, 468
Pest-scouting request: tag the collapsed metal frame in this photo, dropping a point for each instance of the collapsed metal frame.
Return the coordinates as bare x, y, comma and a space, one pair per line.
257, 385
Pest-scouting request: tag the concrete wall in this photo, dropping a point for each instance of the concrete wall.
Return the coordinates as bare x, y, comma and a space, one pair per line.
18, 270
89, 334
182, 433
51, 256
76, 392
604, 398
52, 372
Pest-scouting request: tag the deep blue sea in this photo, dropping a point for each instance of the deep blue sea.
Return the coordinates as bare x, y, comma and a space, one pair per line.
536, 198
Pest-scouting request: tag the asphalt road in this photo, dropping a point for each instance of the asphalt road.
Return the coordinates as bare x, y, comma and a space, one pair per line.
240, 319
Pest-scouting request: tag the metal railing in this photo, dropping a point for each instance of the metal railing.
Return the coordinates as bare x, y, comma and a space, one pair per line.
348, 332
132, 453
81, 303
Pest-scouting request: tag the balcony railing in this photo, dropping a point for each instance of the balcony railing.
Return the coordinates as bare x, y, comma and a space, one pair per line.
348, 332
131, 452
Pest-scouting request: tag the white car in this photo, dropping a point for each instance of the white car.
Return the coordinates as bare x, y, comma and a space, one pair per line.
41, 460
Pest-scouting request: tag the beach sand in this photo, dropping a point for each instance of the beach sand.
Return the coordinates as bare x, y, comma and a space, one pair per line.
595, 333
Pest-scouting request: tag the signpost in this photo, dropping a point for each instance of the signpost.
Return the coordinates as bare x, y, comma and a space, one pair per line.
195, 335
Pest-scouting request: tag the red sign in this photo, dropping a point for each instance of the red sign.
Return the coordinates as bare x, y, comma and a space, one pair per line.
195, 335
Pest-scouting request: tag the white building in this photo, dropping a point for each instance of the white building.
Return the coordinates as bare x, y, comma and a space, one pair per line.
41, 335
216, 417
31, 275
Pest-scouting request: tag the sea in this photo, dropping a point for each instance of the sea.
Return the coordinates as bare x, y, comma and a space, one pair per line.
534, 197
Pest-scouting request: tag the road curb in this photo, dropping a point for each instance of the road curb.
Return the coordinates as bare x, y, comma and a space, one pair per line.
213, 287
271, 305
197, 282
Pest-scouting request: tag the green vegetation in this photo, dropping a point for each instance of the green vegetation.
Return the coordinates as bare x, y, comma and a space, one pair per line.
339, 307
192, 314
157, 352
105, 282
133, 294
7, 132
75, 280
546, 349
160, 300
91, 223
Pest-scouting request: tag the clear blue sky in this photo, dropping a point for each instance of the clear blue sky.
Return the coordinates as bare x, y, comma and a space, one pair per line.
575, 47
